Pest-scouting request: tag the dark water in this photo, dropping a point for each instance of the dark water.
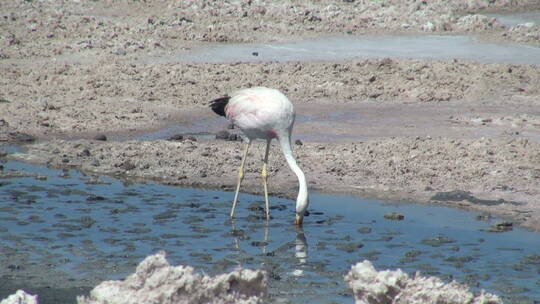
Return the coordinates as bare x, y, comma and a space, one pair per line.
93, 228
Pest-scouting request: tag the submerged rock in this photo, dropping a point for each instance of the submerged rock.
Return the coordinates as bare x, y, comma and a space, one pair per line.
501, 227
101, 137
156, 281
176, 137
374, 287
394, 216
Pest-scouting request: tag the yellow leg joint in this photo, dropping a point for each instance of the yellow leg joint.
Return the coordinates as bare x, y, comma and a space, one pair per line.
264, 172
241, 174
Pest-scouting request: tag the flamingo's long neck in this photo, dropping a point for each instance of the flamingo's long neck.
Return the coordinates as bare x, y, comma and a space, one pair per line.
302, 199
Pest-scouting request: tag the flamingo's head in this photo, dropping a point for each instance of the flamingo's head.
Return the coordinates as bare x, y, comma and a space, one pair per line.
302, 203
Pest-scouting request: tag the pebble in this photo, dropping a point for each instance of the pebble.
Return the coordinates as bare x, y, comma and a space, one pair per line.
164, 216
138, 230
224, 135
259, 243
176, 137
101, 137
87, 222
279, 207
483, 217
84, 153
95, 198
437, 241
364, 230
394, 216
127, 165
120, 52
501, 227
349, 247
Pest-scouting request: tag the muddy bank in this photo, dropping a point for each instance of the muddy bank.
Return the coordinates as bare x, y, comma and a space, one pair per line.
67, 99
501, 176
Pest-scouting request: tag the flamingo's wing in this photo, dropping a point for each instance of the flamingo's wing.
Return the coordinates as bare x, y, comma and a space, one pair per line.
260, 108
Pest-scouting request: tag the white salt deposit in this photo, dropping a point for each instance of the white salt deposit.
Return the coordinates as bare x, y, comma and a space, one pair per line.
20, 297
387, 286
156, 281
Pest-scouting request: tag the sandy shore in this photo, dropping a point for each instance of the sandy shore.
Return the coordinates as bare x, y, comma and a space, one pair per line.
400, 129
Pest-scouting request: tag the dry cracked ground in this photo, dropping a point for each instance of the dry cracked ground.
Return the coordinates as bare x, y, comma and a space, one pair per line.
449, 131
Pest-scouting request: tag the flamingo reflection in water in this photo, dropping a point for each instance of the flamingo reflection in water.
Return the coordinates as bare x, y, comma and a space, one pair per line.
300, 246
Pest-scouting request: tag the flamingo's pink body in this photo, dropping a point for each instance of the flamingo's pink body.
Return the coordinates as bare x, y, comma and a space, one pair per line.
263, 113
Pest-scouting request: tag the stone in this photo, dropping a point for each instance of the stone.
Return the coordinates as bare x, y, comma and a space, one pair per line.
223, 135
101, 137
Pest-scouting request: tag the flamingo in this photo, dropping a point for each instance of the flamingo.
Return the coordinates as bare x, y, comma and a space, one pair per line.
264, 113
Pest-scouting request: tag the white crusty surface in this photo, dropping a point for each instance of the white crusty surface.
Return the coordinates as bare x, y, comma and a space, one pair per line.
395, 286
156, 281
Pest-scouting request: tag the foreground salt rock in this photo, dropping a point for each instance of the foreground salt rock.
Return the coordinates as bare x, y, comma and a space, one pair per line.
20, 297
380, 287
156, 281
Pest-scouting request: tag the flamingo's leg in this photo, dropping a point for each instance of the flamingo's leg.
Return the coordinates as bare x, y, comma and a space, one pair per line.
240, 177
264, 174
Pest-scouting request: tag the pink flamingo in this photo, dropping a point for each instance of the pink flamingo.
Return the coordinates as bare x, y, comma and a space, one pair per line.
263, 113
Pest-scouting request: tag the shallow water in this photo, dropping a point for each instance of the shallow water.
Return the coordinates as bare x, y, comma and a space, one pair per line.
347, 47
518, 18
95, 228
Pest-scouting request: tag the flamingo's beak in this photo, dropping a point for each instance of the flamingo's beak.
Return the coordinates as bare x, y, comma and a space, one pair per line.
298, 220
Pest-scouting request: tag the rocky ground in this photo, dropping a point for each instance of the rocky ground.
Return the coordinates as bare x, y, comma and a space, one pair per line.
44, 28
74, 98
